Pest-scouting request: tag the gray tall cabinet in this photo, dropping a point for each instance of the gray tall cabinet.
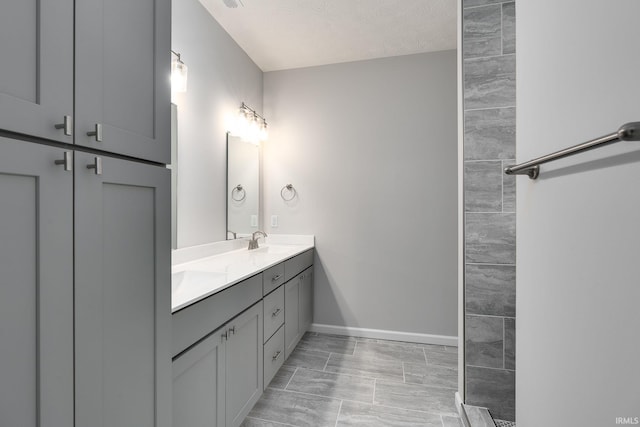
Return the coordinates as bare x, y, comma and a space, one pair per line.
85, 213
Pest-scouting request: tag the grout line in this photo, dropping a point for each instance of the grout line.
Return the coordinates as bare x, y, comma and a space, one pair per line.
426, 360
493, 369
501, 29
272, 421
338, 416
354, 348
489, 57
327, 362
319, 395
337, 373
492, 264
442, 420
478, 6
373, 400
289, 382
490, 108
487, 160
504, 347
404, 378
489, 315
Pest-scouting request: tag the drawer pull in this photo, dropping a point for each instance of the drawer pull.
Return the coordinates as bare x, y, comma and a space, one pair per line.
276, 277
276, 355
276, 312
232, 330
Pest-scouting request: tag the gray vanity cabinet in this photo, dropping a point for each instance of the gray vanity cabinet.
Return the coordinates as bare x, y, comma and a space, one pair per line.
122, 293
217, 381
298, 308
36, 286
36, 70
122, 63
199, 383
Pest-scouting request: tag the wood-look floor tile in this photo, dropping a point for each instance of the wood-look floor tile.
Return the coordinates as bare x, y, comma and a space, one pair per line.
282, 377
332, 385
432, 375
367, 415
328, 343
296, 409
414, 396
255, 422
365, 367
310, 359
390, 351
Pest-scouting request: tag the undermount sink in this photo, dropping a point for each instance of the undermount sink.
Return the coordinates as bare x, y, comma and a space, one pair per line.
273, 249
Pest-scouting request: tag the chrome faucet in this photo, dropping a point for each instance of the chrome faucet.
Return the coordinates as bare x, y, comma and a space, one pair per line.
233, 233
253, 243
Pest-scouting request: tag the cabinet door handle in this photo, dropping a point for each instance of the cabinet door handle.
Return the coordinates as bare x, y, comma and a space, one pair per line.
225, 336
232, 330
276, 277
276, 355
97, 165
97, 132
67, 125
276, 312
67, 161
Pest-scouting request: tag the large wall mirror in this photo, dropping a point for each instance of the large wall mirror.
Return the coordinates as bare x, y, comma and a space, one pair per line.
243, 187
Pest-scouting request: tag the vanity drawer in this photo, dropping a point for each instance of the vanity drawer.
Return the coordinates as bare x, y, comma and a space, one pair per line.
297, 264
196, 321
273, 312
272, 278
273, 356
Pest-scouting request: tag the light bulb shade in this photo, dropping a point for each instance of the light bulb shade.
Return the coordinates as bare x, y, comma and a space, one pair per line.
264, 132
178, 76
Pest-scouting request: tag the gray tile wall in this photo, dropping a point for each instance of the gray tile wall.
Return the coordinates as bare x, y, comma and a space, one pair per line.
490, 223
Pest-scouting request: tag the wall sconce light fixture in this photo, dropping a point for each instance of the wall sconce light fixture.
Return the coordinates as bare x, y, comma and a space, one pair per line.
250, 126
178, 74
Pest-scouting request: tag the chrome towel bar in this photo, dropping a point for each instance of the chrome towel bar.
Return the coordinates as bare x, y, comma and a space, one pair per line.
627, 132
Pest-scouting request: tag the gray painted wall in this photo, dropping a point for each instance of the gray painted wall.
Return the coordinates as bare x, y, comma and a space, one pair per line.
221, 76
578, 229
371, 149
490, 252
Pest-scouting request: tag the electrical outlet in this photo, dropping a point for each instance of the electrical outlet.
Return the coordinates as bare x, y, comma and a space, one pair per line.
254, 220
274, 220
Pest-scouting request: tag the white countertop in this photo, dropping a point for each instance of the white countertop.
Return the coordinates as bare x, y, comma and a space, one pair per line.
196, 279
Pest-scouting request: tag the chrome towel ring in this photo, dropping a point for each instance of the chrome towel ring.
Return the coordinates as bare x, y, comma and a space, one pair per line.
290, 190
238, 190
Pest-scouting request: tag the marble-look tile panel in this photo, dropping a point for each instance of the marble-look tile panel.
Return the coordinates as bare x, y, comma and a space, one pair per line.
358, 414
483, 186
490, 134
451, 421
282, 377
478, 48
490, 238
490, 289
446, 358
296, 409
415, 397
493, 389
509, 189
431, 375
484, 344
508, 28
328, 343
510, 343
332, 385
490, 82
309, 359
482, 22
365, 367
390, 351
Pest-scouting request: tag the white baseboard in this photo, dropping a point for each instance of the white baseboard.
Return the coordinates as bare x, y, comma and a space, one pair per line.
385, 335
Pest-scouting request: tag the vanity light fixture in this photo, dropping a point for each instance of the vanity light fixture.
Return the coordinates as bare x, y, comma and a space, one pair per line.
251, 126
178, 74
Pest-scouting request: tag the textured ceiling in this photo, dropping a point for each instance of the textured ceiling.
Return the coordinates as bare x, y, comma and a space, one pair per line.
283, 34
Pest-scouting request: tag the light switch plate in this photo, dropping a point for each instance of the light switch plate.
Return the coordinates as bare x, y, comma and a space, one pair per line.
254, 220
274, 220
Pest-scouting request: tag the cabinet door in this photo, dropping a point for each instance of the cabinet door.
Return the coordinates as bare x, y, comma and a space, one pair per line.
244, 364
36, 70
306, 300
291, 315
36, 286
199, 384
122, 76
122, 293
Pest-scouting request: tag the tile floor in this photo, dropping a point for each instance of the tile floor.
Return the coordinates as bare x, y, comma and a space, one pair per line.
333, 381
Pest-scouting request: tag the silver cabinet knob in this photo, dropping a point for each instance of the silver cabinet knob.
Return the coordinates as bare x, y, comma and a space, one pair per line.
97, 132
96, 166
67, 125
67, 161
